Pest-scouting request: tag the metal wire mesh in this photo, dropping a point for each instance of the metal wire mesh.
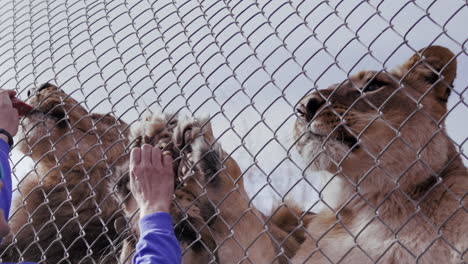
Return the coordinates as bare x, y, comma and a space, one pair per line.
248, 65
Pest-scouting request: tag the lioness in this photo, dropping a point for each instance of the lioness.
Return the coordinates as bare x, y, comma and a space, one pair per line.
65, 212
213, 218
395, 185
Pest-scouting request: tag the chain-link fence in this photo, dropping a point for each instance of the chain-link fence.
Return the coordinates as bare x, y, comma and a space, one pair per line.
338, 130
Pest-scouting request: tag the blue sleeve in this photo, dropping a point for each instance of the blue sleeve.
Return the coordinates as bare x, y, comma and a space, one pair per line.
157, 244
5, 177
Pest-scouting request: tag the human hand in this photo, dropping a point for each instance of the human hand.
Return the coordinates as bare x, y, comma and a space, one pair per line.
151, 179
9, 118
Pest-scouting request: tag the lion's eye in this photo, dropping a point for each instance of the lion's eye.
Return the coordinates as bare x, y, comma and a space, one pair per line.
373, 86
173, 123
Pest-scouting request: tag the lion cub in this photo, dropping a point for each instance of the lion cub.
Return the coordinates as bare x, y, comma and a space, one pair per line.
396, 187
65, 212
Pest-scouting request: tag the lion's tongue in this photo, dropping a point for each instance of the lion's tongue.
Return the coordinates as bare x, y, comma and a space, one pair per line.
22, 107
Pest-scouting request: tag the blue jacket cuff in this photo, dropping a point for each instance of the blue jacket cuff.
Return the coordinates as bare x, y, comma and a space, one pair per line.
158, 220
4, 147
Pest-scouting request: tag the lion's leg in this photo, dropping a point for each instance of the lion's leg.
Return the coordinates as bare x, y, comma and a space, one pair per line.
214, 178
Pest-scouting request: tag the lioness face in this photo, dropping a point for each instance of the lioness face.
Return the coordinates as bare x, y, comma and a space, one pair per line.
379, 121
59, 130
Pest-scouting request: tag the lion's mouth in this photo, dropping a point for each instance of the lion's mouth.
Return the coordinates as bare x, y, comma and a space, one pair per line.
349, 140
53, 113
185, 232
339, 134
56, 114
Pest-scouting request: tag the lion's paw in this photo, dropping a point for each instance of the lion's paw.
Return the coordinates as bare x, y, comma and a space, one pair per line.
157, 130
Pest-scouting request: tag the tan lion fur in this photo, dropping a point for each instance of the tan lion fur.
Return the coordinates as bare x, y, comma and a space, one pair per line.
65, 206
395, 181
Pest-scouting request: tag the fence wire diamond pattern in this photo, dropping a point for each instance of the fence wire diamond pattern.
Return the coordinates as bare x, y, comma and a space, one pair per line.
301, 131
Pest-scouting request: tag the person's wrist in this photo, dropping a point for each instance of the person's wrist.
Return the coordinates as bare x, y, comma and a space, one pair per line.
4, 137
146, 210
7, 136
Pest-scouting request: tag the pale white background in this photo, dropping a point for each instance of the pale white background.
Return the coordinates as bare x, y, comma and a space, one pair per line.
246, 63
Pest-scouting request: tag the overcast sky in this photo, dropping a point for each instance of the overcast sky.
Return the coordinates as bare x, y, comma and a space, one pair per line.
244, 62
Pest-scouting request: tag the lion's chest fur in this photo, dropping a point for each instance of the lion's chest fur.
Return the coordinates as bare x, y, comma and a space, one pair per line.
371, 241
429, 231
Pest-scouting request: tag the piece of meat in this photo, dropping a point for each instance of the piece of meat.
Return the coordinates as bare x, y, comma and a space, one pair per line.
22, 107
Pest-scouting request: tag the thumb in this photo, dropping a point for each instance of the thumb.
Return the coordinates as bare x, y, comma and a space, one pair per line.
5, 98
11, 93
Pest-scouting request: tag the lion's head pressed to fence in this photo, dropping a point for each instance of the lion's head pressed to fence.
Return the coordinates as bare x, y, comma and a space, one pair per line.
65, 210
394, 181
60, 130
213, 219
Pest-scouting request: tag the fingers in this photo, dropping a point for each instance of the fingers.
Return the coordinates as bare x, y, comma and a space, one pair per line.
167, 160
15, 117
134, 184
149, 155
151, 182
135, 159
146, 154
11, 93
156, 157
135, 156
167, 165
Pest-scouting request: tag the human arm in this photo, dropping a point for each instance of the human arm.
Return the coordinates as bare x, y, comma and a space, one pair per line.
9, 121
152, 185
5, 188
157, 243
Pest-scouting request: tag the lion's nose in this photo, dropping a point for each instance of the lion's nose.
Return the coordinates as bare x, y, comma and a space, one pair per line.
314, 105
309, 106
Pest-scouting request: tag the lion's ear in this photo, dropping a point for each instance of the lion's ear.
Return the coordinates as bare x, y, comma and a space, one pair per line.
434, 68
